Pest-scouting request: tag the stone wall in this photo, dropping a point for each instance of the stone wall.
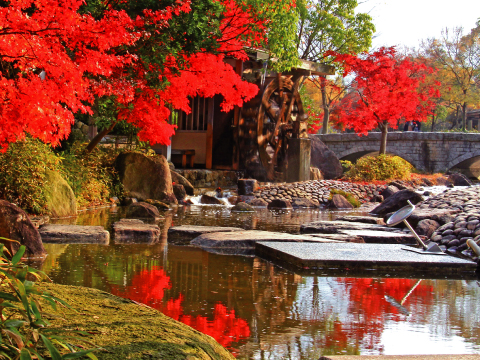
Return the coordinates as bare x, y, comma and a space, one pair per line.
432, 152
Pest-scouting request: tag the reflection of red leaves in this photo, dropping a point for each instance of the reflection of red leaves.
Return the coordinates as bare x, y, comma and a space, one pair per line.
368, 307
147, 287
225, 327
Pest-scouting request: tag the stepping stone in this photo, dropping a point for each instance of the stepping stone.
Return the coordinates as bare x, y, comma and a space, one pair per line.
134, 231
362, 219
334, 227
183, 234
246, 239
381, 237
341, 237
74, 234
359, 258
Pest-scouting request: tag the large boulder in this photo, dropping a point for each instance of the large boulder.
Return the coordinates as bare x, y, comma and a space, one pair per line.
145, 177
61, 200
280, 204
179, 179
15, 225
459, 180
339, 202
325, 159
396, 202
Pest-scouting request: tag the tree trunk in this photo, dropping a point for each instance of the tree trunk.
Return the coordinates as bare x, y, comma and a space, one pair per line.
433, 121
464, 116
326, 118
96, 140
326, 109
383, 140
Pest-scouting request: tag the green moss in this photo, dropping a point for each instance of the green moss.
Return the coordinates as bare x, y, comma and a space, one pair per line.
126, 330
61, 200
350, 197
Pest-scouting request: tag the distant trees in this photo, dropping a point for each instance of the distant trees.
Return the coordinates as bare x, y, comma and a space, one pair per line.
330, 25
457, 58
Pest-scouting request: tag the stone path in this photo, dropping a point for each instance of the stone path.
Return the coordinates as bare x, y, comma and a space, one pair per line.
74, 234
352, 256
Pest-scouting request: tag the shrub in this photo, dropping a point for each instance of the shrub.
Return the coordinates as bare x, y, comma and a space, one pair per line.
22, 174
26, 334
346, 165
92, 176
350, 197
381, 167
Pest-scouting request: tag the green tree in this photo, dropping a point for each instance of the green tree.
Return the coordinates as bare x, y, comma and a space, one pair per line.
331, 25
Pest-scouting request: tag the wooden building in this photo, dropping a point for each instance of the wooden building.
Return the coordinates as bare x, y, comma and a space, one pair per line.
257, 133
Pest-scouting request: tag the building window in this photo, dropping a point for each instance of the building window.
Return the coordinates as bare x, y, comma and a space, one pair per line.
196, 120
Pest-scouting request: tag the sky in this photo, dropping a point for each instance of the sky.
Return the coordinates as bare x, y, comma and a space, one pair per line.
407, 22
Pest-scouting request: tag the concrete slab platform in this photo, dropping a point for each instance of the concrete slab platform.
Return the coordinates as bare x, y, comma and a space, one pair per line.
361, 257
381, 237
246, 239
74, 234
183, 234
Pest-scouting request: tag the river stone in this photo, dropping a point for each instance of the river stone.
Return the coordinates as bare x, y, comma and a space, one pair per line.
442, 216
315, 174
396, 202
381, 237
183, 234
459, 180
303, 203
427, 227
143, 210
179, 192
339, 202
210, 200
279, 204
248, 238
179, 179
325, 159
16, 225
362, 219
145, 177
74, 234
60, 198
129, 231
334, 227
243, 207
259, 202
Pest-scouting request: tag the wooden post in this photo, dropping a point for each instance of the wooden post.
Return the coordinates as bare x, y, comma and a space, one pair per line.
209, 142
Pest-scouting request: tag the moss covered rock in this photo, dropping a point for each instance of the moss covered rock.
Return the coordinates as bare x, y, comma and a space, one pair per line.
127, 330
145, 177
60, 198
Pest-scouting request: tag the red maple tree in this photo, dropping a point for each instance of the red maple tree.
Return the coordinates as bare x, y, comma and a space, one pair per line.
386, 89
55, 61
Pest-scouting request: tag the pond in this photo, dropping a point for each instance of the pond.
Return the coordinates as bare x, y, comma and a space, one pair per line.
260, 311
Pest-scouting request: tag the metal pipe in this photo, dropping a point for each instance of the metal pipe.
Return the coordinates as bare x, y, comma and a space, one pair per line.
473, 245
416, 235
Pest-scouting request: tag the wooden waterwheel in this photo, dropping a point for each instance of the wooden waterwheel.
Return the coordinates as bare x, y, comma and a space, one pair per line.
278, 119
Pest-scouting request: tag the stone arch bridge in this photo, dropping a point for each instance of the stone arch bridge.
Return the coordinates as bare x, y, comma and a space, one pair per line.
428, 151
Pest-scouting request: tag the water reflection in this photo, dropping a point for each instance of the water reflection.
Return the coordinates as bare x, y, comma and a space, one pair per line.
260, 311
